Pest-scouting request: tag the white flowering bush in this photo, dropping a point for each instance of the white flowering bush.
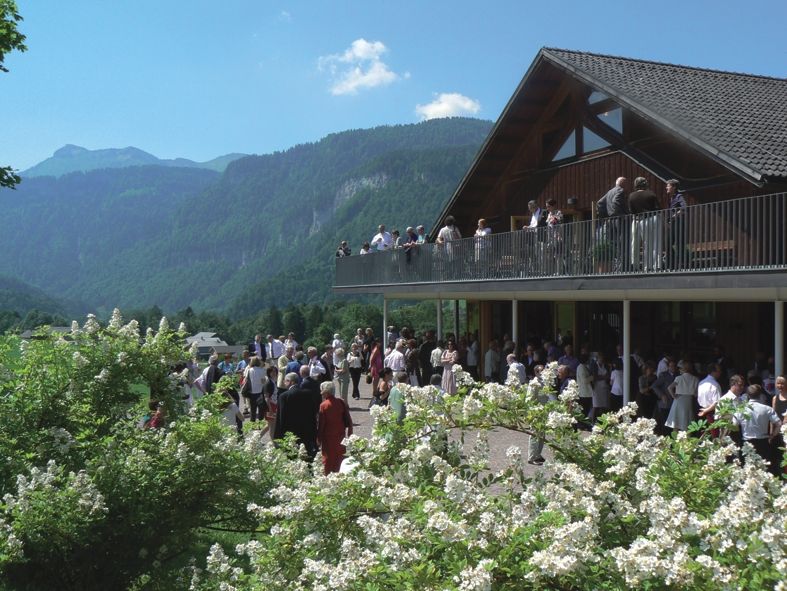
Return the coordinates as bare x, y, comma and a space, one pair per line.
90, 501
617, 508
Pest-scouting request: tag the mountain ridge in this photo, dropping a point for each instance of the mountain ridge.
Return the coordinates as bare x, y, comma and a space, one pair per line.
175, 237
73, 158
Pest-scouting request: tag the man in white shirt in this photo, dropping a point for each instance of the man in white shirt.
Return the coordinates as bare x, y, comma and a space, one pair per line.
516, 368
755, 420
274, 349
316, 368
291, 342
709, 390
538, 216
382, 240
448, 232
737, 387
492, 362
395, 359
663, 364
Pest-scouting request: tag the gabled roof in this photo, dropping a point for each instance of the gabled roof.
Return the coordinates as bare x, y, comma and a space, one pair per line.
738, 119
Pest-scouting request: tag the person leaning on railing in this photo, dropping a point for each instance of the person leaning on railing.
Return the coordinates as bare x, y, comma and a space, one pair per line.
645, 228
410, 243
676, 250
448, 234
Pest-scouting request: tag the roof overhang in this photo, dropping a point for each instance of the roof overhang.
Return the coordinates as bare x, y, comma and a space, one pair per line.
707, 286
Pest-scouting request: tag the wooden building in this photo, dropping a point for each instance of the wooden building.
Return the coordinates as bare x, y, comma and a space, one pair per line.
576, 122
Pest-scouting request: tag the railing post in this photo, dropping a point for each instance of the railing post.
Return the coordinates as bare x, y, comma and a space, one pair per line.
778, 333
439, 319
515, 322
626, 351
385, 323
456, 320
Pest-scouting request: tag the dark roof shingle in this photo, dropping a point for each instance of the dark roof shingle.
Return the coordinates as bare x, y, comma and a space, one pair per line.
740, 118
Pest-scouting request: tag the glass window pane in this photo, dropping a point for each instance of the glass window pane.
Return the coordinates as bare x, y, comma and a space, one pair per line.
568, 149
613, 118
592, 141
596, 97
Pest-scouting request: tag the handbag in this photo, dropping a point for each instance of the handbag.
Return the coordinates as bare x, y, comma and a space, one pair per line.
245, 389
368, 378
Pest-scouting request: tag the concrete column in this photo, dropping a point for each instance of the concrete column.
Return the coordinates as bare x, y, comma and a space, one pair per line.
456, 320
515, 322
778, 334
385, 322
626, 351
439, 319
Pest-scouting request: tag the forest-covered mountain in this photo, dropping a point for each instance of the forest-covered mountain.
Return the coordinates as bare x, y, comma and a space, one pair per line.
17, 296
71, 158
264, 231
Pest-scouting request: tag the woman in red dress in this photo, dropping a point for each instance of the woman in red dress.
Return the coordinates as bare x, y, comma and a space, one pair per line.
376, 363
333, 425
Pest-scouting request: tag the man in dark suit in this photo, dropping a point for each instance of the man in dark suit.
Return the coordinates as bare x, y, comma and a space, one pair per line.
297, 414
425, 358
309, 382
327, 363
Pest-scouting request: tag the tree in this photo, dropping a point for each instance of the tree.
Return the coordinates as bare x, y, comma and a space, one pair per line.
10, 39
276, 322
294, 322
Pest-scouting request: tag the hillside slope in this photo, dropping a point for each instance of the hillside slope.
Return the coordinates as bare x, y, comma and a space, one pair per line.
175, 237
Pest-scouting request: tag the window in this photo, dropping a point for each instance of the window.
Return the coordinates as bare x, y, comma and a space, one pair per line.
568, 149
596, 97
592, 141
613, 118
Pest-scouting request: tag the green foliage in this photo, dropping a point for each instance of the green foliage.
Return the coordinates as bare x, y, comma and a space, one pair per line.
10, 40
422, 508
21, 298
89, 499
10, 37
263, 233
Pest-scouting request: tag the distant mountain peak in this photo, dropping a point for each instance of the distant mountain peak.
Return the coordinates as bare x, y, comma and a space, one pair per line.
73, 158
69, 150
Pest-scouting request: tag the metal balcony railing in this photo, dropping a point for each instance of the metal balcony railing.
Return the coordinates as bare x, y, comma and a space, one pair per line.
736, 235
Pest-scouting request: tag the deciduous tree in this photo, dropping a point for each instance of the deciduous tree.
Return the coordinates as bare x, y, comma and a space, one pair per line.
10, 39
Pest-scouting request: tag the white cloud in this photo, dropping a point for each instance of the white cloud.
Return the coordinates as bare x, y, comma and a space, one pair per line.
358, 67
285, 16
448, 104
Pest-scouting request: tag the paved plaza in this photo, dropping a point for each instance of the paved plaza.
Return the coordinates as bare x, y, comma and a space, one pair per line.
499, 439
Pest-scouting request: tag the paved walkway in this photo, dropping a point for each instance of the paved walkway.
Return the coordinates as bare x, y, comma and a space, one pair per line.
499, 439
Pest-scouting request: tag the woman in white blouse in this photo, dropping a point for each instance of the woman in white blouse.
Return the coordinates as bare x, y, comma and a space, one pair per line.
684, 391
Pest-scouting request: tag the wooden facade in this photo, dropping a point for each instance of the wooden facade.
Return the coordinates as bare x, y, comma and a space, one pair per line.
518, 163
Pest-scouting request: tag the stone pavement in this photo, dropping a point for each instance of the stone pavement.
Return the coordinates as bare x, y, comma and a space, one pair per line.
499, 439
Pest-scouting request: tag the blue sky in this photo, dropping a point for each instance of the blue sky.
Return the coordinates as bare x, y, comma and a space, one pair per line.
198, 79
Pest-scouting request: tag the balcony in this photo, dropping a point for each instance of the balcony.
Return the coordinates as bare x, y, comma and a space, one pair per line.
740, 235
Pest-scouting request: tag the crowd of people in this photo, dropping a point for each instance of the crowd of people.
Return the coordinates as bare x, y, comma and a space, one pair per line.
646, 242
671, 390
307, 392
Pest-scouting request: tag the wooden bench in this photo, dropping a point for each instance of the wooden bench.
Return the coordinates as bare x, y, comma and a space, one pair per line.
713, 254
